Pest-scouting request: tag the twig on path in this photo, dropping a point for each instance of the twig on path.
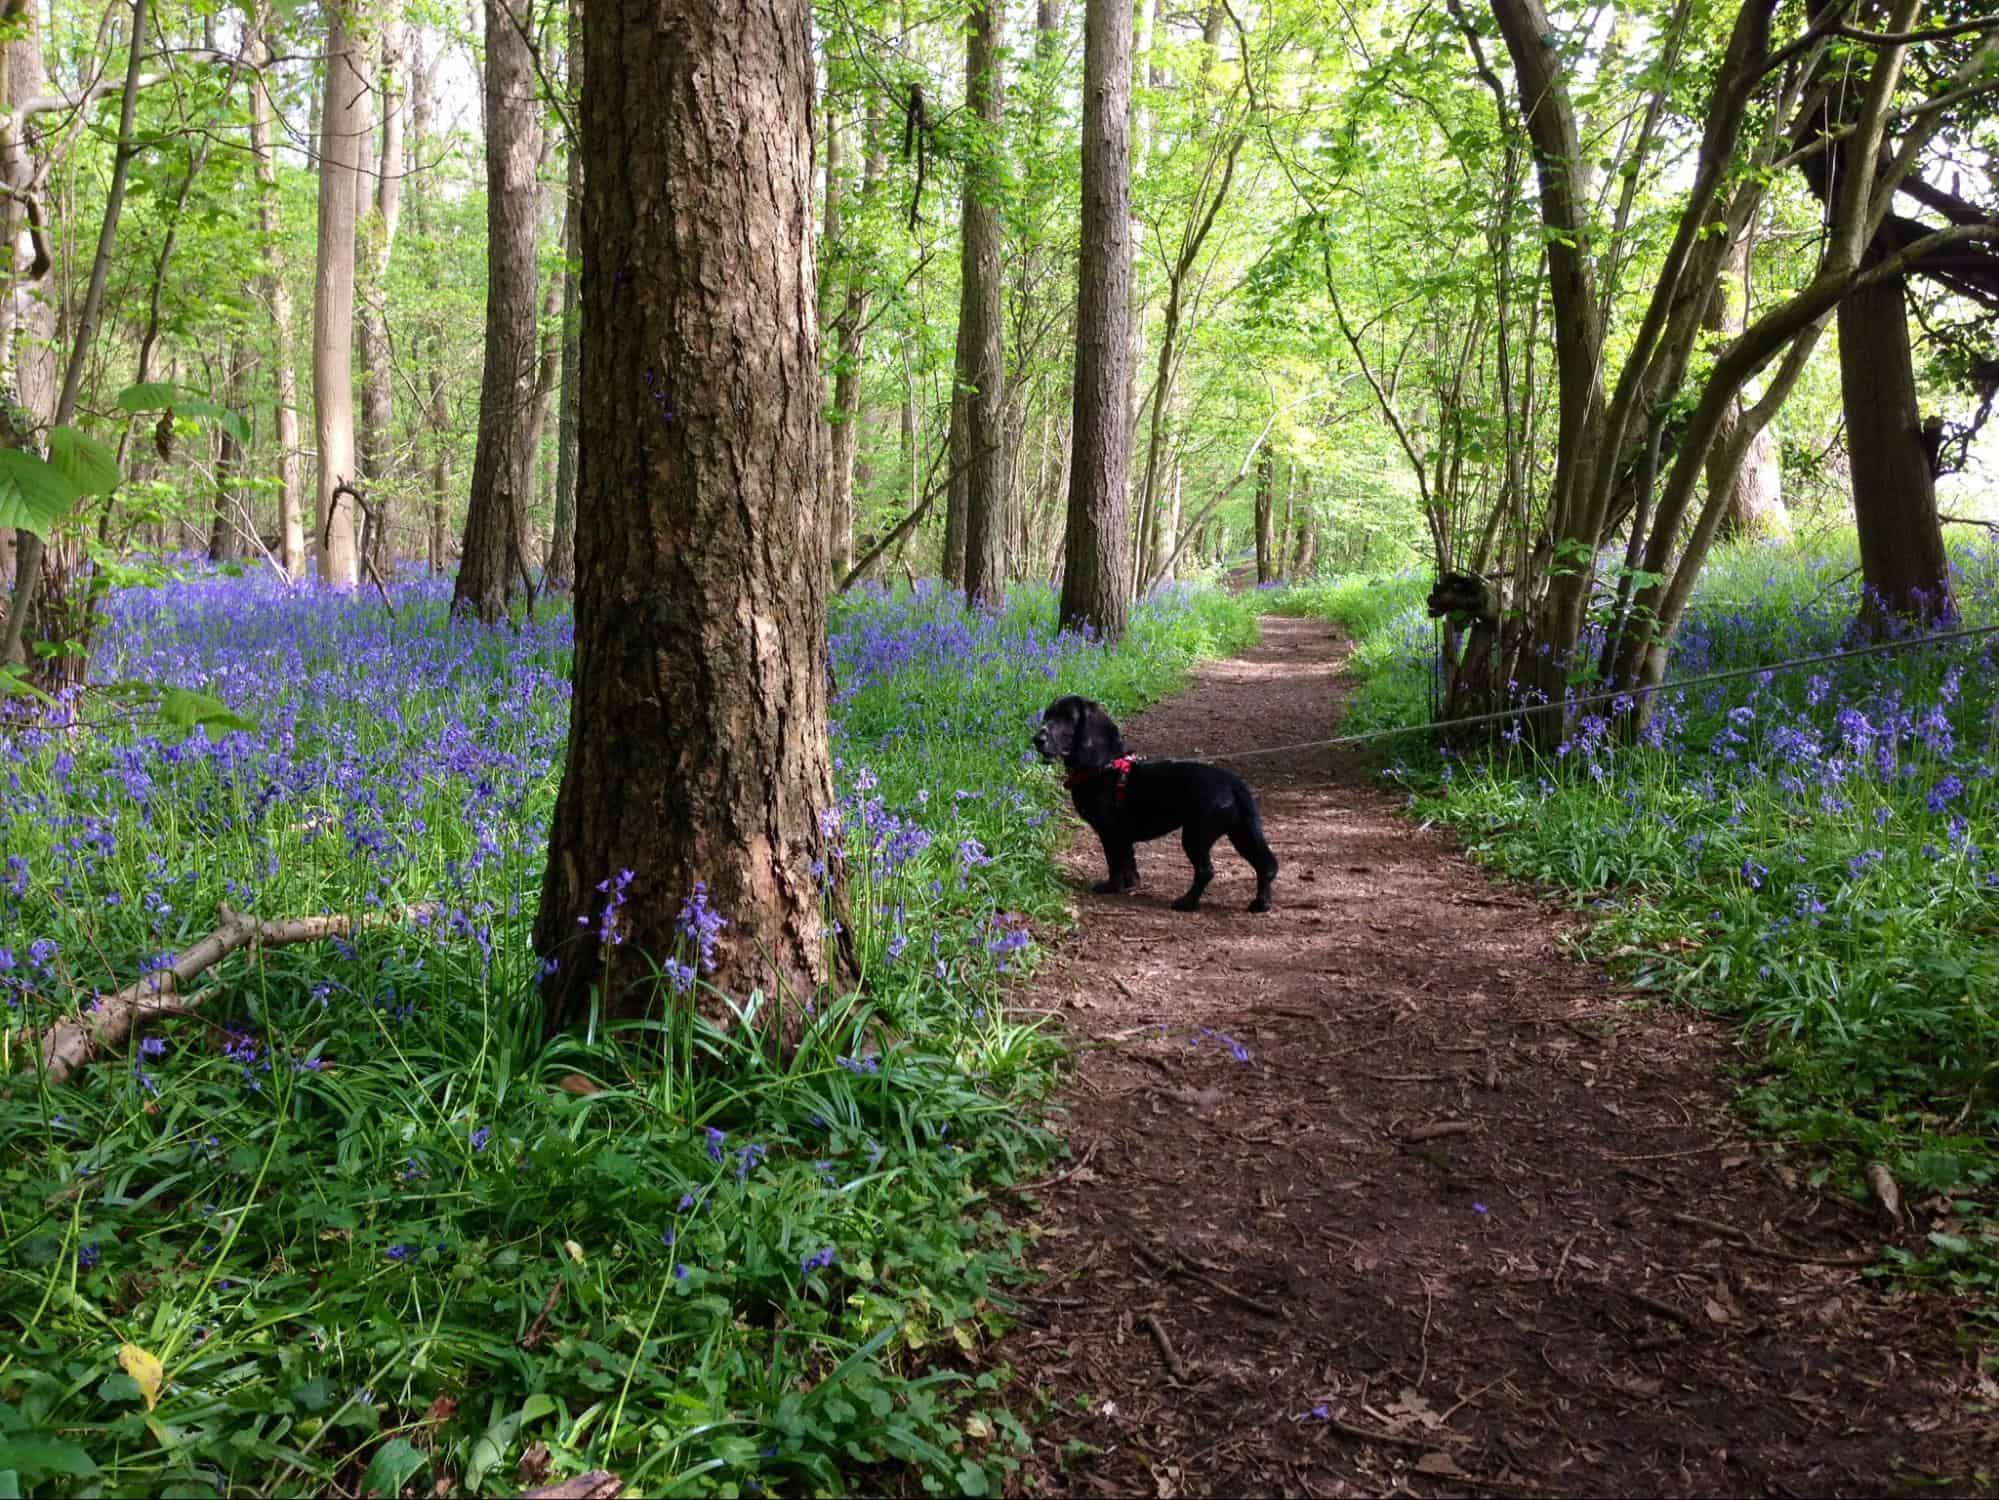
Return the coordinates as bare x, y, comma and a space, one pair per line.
1742, 1241
1438, 1129
1464, 1401
1403, 1077
1664, 1309
1378, 1435
1174, 1266
1424, 1373
1020, 1188
1665, 1155
1158, 1331
69, 1044
1563, 1264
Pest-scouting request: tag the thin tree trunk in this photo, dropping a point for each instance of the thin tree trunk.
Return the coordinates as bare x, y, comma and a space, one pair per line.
225, 543
562, 535
848, 390
1096, 589
981, 359
277, 290
1755, 504
1266, 497
343, 133
698, 748
40, 570
378, 234
1903, 565
492, 557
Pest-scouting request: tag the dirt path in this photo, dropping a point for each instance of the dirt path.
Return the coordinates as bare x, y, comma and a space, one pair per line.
1466, 1220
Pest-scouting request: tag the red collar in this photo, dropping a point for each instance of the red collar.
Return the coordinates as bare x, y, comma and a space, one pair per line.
1122, 765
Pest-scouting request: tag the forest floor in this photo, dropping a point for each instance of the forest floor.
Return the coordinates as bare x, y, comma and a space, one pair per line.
1468, 1220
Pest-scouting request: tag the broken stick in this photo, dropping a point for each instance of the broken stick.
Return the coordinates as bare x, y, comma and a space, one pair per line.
69, 1044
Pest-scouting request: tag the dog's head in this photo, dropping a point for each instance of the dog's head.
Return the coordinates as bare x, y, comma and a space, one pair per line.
1078, 733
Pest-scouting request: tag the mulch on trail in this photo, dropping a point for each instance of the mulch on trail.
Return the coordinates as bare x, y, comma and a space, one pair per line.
1383, 1193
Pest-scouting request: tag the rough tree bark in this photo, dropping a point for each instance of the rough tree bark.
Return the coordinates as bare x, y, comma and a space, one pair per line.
378, 235
342, 137
1096, 587
493, 555
698, 748
981, 371
1902, 558
276, 289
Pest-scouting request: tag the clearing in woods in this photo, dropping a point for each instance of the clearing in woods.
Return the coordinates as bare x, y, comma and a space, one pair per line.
1383, 1192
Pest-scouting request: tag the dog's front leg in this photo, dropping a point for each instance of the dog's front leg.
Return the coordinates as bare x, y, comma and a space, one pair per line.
1121, 860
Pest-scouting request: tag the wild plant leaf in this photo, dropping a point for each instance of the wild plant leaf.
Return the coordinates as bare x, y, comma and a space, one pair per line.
146, 1371
34, 495
84, 462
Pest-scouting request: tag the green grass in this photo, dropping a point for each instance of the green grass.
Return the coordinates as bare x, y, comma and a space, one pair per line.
1815, 856
377, 1230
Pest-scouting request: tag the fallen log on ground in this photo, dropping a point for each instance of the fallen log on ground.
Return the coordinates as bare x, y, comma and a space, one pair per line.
71, 1043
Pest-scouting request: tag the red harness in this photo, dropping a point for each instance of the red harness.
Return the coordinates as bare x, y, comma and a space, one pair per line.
1122, 765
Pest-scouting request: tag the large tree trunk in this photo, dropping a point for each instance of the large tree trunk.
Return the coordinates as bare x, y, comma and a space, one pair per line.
277, 289
378, 234
493, 558
1755, 504
343, 133
1096, 587
981, 361
1902, 561
698, 747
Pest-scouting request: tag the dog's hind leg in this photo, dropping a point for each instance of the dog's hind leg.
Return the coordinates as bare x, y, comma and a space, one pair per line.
1252, 846
1197, 840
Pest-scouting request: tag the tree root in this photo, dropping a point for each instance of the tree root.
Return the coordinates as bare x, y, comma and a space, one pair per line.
110, 1021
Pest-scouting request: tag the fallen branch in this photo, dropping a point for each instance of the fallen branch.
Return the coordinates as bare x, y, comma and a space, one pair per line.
1157, 1329
1173, 1265
1742, 1241
109, 1022
1887, 1196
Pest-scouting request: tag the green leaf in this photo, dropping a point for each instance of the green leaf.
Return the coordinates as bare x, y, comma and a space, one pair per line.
34, 495
14, 684
395, 1463
221, 416
85, 462
153, 395
32, 1458
186, 709
118, 1388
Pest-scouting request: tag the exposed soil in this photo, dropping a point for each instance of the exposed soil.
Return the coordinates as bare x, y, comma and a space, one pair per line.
1467, 1221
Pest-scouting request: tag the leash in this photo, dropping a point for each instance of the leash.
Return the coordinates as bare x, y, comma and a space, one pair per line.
1633, 694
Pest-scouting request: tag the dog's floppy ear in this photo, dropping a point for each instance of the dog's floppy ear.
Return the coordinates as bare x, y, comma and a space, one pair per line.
1098, 742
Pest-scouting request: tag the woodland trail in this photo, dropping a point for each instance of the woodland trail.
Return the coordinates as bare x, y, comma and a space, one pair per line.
1466, 1221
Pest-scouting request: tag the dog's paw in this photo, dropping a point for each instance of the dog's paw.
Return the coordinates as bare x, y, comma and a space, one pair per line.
1106, 888
1261, 903
1187, 903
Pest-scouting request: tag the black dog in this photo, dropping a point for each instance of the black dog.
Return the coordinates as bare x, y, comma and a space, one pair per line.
1128, 801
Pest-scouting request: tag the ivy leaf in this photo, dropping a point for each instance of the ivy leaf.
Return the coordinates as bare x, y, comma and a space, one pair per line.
85, 462
34, 495
221, 416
